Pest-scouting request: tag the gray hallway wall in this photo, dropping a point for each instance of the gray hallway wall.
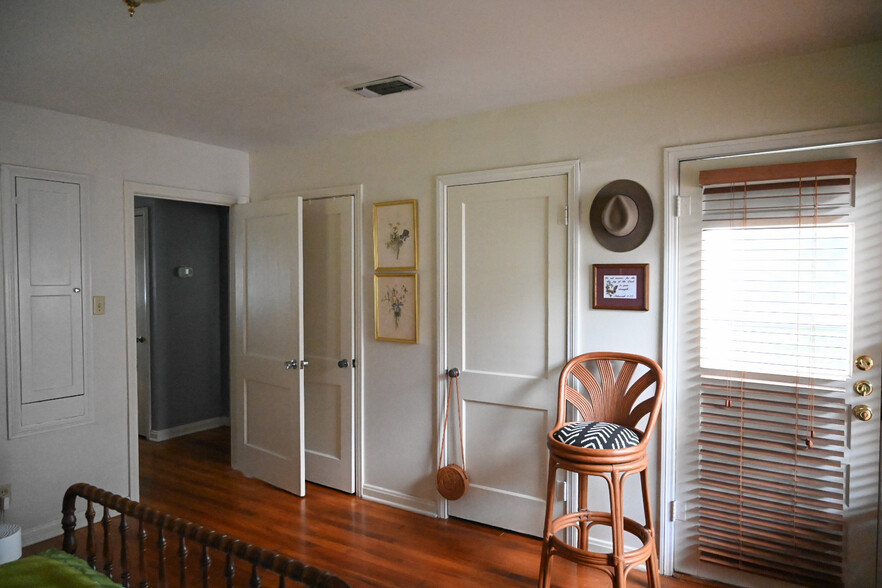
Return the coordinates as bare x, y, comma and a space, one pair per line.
189, 316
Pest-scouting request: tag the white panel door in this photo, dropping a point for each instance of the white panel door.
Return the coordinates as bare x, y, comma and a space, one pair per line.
329, 341
507, 333
859, 478
50, 289
267, 342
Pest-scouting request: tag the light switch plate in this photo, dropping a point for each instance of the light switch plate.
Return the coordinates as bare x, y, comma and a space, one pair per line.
98, 305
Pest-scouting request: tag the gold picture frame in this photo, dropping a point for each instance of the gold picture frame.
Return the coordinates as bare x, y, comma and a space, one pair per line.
396, 242
397, 308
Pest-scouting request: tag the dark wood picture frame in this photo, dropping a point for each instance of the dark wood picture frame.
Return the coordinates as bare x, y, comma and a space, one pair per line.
621, 286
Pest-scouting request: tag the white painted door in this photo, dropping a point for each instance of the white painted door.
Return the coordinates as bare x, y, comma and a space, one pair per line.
142, 317
507, 266
267, 342
49, 317
329, 341
853, 490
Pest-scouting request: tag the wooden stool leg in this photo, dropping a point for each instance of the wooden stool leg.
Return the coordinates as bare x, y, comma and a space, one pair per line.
652, 577
545, 558
618, 528
583, 507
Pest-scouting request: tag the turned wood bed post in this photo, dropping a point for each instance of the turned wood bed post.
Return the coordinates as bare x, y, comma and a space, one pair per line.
69, 519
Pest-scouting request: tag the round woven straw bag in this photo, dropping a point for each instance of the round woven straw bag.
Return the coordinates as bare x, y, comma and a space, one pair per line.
452, 480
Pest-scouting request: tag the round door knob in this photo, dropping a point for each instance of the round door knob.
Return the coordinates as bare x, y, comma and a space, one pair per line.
291, 365
863, 412
343, 363
864, 363
864, 388
141, 339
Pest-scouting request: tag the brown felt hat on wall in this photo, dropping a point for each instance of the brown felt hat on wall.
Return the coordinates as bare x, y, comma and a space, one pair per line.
621, 215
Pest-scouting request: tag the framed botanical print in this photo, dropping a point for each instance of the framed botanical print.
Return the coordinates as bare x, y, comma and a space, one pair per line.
397, 308
396, 245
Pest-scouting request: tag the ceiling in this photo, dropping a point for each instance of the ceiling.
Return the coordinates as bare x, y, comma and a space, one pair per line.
249, 74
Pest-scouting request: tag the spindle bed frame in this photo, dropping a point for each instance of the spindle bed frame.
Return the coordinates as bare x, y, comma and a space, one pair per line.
272, 563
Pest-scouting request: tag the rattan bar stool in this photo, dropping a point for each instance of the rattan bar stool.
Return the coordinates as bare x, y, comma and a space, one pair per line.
613, 394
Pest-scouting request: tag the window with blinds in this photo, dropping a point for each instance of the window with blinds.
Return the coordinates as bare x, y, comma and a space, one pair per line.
775, 347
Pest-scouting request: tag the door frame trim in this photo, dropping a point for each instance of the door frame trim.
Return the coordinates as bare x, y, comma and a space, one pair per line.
673, 156
357, 192
130, 190
569, 168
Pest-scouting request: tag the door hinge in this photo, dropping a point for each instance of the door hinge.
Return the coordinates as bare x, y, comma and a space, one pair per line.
566, 216
682, 205
562, 491
673, 511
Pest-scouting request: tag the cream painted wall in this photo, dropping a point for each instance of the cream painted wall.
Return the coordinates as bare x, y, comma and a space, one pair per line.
615, 135
40, 467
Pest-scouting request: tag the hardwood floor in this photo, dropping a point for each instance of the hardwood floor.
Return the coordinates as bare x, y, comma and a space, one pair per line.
366, 543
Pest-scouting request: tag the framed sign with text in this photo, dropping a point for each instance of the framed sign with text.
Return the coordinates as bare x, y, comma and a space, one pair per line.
621, 286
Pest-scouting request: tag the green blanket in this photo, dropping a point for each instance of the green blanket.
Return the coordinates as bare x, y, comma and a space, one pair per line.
50, 569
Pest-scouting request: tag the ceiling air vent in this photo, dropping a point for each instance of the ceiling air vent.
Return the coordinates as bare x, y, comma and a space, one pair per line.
384, 87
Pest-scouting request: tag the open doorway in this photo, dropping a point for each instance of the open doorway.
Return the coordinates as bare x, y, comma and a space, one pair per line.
182, 316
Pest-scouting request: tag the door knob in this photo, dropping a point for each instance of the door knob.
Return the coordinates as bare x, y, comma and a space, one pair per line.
343, 363
863, 412
303, 364
864, 363
141, 339
291, 365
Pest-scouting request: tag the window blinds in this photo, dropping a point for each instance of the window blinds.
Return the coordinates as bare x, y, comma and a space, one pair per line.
795, 190
775, 333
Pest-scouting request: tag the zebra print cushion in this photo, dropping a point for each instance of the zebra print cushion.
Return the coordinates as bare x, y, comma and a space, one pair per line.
595, 435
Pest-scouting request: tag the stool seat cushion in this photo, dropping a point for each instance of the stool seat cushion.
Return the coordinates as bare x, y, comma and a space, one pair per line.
597, 435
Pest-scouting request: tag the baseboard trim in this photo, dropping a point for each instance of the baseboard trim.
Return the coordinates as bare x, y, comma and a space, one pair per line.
181, 430
400, 500
41, 532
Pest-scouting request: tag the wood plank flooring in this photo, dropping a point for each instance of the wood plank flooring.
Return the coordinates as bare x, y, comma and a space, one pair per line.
366, 543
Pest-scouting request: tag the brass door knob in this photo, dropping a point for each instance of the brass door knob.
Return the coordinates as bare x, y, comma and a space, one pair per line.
864, 388
863, 412
864, 363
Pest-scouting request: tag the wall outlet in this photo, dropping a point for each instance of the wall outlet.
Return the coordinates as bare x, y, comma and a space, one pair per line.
5, 495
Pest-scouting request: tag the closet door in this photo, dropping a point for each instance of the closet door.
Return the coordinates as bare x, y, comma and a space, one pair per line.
45, 301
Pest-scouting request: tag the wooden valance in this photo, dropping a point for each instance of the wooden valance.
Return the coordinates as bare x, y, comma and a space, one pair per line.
778, 192
783, 171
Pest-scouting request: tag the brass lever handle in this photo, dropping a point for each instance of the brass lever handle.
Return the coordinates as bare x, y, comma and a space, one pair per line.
863, 388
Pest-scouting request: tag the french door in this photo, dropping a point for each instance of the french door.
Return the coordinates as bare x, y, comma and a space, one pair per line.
266, 407
777, 472
329, 339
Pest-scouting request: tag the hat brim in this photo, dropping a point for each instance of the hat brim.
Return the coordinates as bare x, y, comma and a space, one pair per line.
641, 198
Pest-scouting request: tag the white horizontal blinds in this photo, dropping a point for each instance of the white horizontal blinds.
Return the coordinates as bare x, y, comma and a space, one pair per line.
794, 190
775, 348
777, 300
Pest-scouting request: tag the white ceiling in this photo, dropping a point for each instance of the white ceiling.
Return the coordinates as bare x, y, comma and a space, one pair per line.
247, 74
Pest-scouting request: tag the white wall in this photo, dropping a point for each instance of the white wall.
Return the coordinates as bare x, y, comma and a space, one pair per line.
615, 135
40, 467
